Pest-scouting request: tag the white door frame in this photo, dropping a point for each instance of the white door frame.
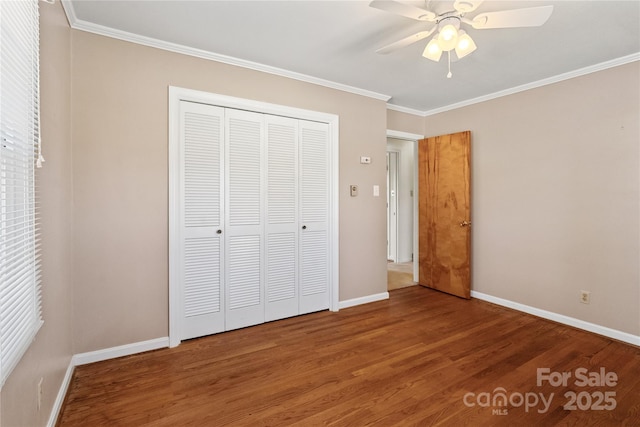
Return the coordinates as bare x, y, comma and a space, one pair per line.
176, 95
414, 138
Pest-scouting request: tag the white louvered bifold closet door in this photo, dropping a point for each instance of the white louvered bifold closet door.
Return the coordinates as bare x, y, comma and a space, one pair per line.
314, 216
253, 218
201, 218
281, 284
244, 208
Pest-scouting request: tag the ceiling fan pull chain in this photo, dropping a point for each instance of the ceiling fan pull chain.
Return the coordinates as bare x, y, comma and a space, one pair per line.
449, 74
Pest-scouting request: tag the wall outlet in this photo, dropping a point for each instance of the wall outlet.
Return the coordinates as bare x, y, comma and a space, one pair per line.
585, 297
40, 392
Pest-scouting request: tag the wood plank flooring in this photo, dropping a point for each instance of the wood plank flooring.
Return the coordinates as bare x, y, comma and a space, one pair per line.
410, 360
399, 275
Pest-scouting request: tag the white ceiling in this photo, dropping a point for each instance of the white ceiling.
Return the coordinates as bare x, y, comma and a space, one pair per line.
335, 41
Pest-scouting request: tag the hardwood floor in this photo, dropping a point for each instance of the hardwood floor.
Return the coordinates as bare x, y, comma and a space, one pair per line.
399, 275
410, 360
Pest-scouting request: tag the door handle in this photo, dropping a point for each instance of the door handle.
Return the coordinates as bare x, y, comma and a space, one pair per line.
465, 223
219, 232
304, 227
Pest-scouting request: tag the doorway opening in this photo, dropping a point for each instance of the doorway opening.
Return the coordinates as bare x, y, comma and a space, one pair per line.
401, 209
392, 205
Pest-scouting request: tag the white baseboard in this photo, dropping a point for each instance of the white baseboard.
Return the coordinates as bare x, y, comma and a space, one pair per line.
139, 347
363, 300
123, 350
560, 318
98, 356
62, 393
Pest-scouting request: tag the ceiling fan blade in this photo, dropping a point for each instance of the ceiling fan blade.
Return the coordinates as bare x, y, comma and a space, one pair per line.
403, 10
466, 6
405, 41
529, 17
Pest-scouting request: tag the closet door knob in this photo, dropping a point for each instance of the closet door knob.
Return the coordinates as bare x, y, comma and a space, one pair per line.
304, 227
219, 232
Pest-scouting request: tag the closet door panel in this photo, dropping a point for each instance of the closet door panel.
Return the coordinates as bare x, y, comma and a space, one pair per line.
281, 231
314, 217
244, 241
201, 216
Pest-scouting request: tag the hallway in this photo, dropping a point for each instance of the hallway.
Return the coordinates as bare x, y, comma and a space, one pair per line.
399, 275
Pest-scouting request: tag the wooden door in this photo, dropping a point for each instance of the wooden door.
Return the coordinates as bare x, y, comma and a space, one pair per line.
444, 213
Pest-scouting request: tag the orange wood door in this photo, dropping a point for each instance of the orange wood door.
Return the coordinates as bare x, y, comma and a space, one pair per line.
444, 227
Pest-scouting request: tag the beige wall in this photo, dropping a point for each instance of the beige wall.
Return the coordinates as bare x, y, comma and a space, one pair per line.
555, 205
405, 122
120, 176
50, 354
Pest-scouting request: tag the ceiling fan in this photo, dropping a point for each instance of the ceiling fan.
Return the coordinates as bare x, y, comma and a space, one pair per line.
450, 37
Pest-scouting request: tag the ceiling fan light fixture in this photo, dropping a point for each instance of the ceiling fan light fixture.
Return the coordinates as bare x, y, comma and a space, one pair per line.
448, 37
433, 50
465, 45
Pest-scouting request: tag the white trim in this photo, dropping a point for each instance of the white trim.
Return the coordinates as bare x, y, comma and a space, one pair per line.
533, 85
62, 393
175, 303
78, 24
67, 6
119, 351
560, 318
90, 27
405, 110
416, 214
334, 211
364, 300
99, 356
397, 134
177, 94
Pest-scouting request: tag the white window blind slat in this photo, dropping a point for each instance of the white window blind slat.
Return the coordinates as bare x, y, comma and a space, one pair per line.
20, 289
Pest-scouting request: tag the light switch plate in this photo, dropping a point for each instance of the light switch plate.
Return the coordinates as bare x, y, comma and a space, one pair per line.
376, 191
354, 190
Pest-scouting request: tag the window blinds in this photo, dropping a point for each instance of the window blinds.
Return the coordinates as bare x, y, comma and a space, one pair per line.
20, 313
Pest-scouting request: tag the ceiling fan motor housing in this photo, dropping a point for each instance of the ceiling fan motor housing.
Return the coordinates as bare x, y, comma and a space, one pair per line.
449, 20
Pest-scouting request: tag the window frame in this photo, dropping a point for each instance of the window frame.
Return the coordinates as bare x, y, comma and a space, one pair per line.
20, 285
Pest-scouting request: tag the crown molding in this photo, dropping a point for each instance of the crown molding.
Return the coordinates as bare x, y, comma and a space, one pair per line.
67, 6
405, 110
539, 83
81, 25
78, 24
